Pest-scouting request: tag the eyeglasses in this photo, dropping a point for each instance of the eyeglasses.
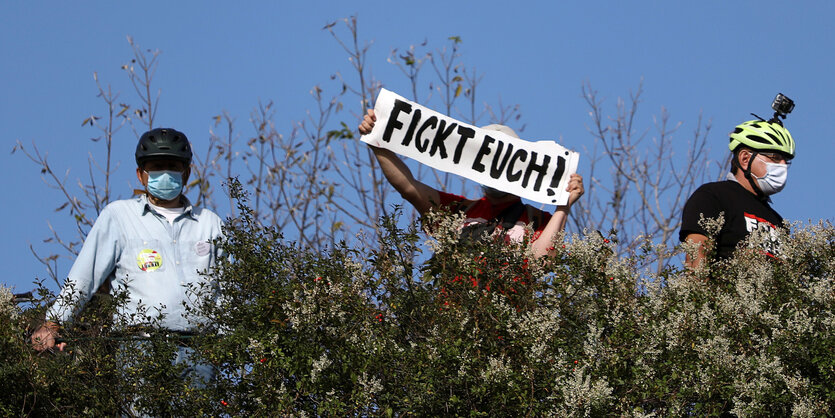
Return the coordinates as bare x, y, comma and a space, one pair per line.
776, 157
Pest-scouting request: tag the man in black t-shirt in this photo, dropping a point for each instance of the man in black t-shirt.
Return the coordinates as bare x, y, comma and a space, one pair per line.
761, 151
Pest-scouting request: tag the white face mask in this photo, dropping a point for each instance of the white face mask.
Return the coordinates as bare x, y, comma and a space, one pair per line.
774, 179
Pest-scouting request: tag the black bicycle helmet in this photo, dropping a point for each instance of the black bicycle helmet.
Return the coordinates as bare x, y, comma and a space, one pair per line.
163, 143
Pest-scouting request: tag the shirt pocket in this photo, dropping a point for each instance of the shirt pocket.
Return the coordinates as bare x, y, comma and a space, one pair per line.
198, 255
146, 257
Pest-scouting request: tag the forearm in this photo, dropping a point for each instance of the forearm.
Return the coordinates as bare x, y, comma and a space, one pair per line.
695, 260
77, 291
398, 174
396, 171
556, 224
545, 243
421, 196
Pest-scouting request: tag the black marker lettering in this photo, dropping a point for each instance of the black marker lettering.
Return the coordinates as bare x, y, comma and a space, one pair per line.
484, 150
521, 155
555, 181
540, 169
495, 171
423, 144
466, 133
393, 123
440, 136
411, 131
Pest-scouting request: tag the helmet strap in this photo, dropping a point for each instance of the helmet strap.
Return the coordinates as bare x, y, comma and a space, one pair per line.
750, 177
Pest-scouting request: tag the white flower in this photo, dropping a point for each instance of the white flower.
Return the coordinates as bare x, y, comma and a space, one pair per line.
581, 395
7, 305
318, 365
371, 385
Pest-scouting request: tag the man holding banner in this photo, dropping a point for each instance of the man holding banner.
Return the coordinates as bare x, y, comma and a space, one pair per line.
507, 167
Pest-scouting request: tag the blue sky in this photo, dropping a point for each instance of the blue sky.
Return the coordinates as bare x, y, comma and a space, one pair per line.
723, 59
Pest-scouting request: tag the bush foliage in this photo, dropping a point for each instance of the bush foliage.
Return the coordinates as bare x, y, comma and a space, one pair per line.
480, 328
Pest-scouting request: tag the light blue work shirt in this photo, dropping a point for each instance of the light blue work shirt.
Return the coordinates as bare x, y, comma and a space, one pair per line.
132, 245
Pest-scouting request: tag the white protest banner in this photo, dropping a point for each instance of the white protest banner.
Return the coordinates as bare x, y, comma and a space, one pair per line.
537, 171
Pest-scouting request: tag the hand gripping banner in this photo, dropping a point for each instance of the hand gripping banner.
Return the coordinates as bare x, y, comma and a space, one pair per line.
536, 171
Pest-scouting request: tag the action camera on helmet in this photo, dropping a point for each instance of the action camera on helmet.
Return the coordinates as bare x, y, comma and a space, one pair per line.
782, 105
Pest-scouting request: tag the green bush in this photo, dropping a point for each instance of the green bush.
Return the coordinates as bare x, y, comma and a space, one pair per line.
480, 328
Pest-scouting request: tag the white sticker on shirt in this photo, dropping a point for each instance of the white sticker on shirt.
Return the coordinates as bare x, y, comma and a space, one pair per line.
149, 260
202, 248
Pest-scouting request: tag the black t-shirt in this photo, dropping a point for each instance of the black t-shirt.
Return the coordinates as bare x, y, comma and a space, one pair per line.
743, 213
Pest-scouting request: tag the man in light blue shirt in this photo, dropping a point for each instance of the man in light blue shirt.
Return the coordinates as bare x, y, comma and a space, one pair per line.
154, 246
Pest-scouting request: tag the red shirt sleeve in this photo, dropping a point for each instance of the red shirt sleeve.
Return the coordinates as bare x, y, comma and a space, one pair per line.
448, 198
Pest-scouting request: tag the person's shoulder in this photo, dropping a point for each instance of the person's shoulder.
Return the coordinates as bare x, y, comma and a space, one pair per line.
121, 206
449, 197
206, 215
717, 188
718, 185
709, 199
449, 201
117, 213
204, 212
121, 203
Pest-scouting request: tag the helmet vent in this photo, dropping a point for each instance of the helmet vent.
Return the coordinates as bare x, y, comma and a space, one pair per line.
774, 138
756, 138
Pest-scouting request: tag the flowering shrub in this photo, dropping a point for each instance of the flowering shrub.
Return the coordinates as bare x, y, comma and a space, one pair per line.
480, 328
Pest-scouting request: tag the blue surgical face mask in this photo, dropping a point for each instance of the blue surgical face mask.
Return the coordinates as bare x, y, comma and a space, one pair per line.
165, 185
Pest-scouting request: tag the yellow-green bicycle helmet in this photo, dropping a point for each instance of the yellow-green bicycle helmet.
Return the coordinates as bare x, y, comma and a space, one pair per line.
762, 136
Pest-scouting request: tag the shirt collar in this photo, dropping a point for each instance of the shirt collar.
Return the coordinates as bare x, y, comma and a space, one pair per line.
730, 176
146, 206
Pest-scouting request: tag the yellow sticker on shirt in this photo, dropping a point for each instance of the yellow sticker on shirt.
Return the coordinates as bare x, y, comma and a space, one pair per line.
149, 260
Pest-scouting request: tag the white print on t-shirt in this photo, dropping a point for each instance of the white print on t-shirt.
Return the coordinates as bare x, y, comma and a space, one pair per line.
754, 223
